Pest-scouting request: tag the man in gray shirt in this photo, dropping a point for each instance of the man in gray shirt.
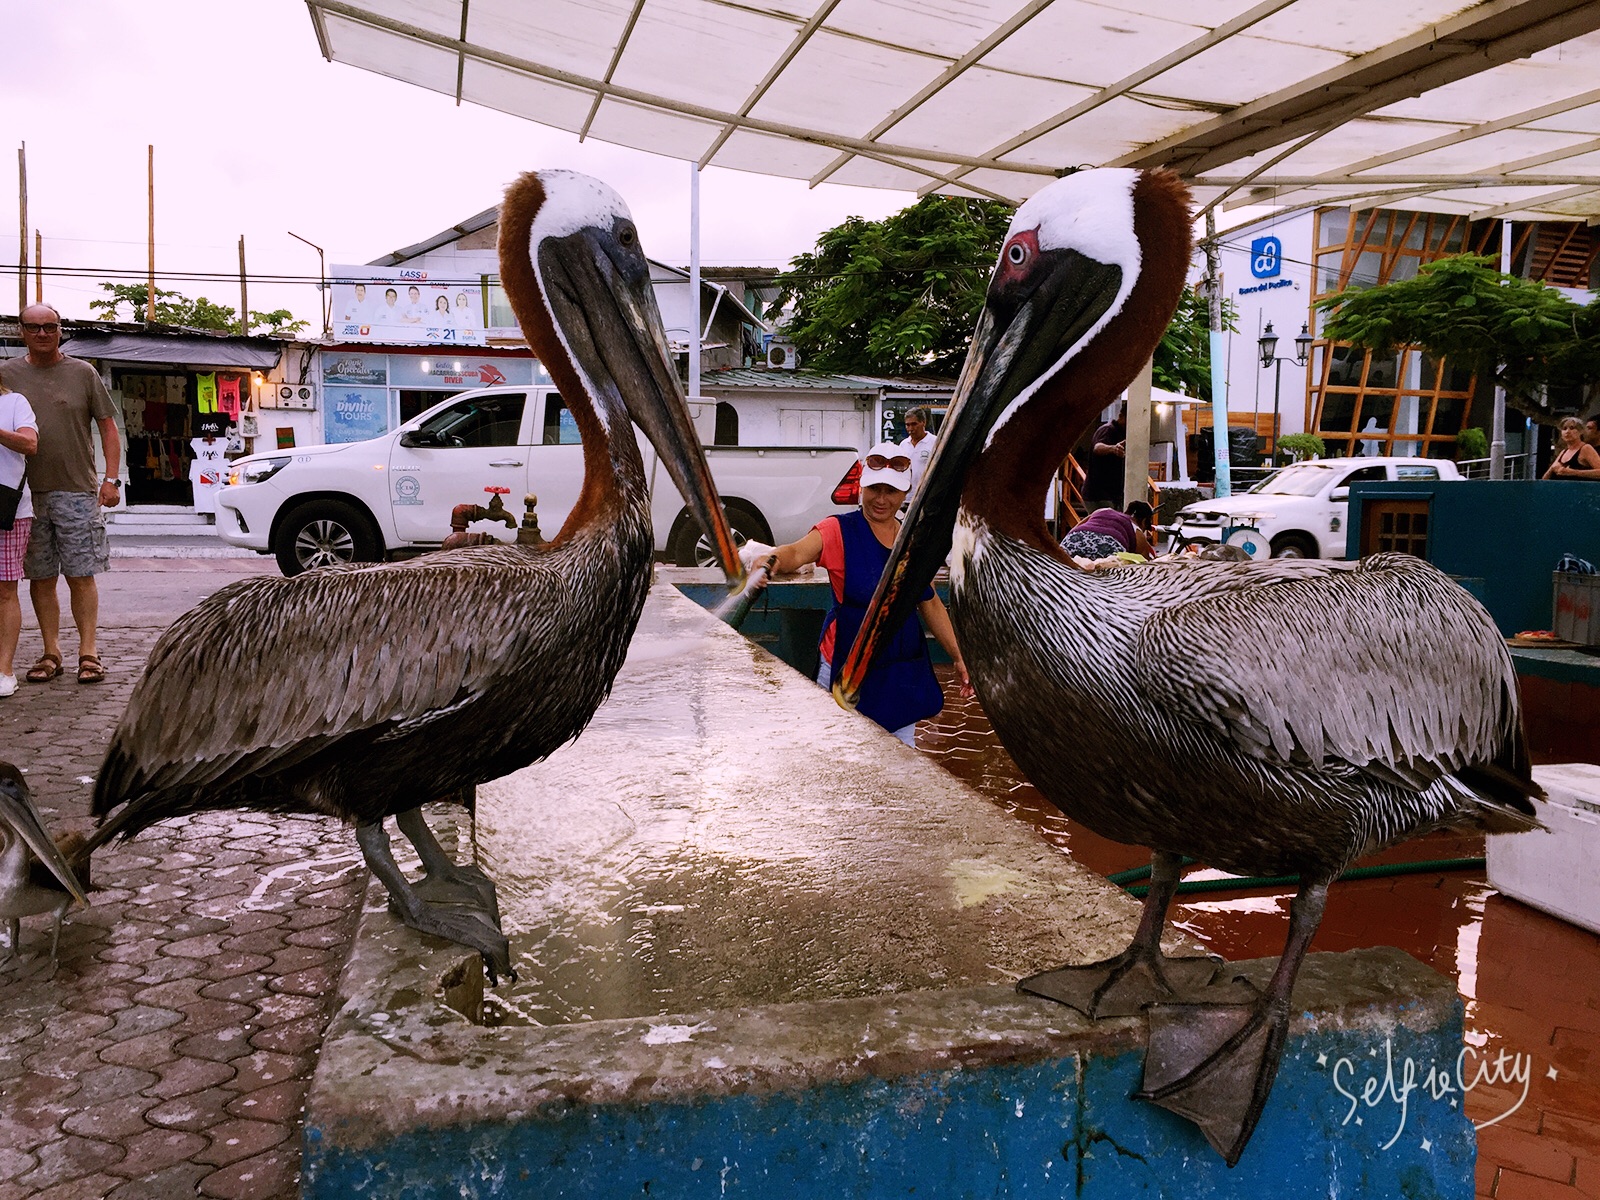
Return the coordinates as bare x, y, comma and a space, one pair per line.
69, 534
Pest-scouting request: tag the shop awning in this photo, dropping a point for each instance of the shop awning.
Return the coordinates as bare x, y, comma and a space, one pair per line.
176, 351
1491, 110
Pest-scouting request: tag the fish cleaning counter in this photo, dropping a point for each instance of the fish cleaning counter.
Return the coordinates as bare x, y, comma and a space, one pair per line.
765, 949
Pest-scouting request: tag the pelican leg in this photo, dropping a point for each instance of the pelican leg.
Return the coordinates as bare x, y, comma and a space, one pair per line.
1141, 974
1214, 1063
445, 881
13, 932
467, 929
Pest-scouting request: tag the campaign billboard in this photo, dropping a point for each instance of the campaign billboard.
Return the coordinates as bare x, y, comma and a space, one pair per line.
402, 306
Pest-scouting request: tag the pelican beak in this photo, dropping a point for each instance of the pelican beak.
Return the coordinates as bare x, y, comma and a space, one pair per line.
1029, 327
608, 307
17, 811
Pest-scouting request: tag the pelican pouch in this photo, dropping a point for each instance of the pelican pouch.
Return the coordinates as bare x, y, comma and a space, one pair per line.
10, 497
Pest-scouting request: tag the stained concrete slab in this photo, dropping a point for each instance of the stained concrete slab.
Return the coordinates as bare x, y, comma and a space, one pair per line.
766, 949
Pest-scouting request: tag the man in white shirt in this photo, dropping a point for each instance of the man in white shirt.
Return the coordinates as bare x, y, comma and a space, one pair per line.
19, 438
919, 445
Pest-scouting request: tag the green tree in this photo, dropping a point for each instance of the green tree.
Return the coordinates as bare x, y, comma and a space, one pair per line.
1518, 332
897, 295
174, 308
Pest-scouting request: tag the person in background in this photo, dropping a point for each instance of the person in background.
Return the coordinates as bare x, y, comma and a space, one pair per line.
68, 536
918, 446
1107, 532
1102, 483
19, 438
1575, 458
900, 689
1591, 431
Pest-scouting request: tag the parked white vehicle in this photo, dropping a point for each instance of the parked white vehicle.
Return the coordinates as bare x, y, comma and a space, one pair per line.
1300, 511
363, 501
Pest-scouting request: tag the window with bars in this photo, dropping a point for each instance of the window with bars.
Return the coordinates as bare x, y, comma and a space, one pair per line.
1395, 527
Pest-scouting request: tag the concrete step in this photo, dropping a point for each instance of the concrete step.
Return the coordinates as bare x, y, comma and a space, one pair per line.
158, 520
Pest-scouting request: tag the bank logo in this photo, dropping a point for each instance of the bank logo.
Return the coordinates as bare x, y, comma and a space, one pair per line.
1266, 257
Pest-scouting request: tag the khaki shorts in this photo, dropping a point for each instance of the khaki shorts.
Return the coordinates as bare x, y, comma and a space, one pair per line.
68, 537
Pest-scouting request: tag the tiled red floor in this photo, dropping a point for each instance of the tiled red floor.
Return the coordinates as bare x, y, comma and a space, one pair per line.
1530, 983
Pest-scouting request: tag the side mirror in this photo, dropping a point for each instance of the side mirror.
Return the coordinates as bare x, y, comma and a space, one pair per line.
414, 439
1339, 495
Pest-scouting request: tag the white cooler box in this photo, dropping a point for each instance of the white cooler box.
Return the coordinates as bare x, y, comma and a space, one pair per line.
1558, 871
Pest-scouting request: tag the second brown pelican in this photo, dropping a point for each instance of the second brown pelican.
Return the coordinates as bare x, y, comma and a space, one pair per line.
1267, 719
34, 875
363, 692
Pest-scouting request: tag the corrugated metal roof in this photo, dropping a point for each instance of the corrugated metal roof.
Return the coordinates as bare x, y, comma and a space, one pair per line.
800, 380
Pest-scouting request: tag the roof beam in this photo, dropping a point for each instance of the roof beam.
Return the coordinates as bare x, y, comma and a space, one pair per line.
1433, 182
699, 112
1484, 36
796, 44
946, 77
611, 68
1535, 203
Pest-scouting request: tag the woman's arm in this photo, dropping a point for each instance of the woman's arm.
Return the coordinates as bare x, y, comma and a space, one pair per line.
1141, 543
1555, 464
938, 621
1588, 464
794, 555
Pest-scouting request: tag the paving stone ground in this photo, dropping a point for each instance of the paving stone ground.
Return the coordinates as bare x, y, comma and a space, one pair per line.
171, 1053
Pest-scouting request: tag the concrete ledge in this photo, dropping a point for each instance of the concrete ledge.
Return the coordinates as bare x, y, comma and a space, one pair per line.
772, 952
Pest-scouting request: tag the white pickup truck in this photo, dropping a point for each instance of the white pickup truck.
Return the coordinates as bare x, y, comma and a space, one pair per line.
365, 501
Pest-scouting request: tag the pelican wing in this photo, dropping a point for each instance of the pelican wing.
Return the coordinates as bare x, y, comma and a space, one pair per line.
267, 672
1389, 666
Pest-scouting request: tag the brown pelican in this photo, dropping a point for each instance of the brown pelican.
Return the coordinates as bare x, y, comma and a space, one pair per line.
362, 692
1264, 718
34, 874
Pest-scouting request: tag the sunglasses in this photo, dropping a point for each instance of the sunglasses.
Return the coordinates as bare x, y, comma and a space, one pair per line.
30, 327
877, 462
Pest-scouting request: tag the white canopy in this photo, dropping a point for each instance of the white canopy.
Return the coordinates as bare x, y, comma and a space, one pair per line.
1492, 110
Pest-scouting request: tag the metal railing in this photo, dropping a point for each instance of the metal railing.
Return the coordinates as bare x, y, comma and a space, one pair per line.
1518, 466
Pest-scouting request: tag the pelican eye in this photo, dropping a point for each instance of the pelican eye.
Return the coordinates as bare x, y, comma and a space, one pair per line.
1018, 254
627, 236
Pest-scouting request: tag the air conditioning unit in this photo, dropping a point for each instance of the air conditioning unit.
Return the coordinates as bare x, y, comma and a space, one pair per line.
781, 354
277, 394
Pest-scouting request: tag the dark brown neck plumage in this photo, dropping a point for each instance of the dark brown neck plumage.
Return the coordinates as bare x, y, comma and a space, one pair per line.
1008, 484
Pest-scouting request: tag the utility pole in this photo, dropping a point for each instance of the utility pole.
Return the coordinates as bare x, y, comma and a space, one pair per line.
1497, 435
244, 293
694, 280
22, 251
38, 268
1219, 370
150, 298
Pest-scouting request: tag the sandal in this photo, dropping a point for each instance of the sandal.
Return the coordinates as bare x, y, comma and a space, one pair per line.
89, 669
46, 669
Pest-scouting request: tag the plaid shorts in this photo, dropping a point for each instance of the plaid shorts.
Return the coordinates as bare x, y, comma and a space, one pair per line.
69, 537
13, 544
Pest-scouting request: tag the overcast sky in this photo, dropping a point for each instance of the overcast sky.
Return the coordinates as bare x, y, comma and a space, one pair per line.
256, 134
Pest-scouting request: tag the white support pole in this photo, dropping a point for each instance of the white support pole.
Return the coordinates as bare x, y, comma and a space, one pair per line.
694, 281
1136, 460
1497, 435
1219, 366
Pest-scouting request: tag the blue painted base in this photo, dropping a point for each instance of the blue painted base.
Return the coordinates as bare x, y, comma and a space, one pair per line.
1347, 1118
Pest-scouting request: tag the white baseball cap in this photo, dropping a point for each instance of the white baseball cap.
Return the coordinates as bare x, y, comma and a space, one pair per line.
886, 463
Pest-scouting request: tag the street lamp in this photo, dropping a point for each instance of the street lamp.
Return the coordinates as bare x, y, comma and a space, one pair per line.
322, 287
1269, 358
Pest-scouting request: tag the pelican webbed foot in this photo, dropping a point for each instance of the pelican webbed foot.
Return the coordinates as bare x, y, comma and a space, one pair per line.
445, 881
469, 927
1141, 974
1214, 1063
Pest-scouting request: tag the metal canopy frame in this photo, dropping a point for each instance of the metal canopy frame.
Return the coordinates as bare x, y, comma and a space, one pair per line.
1475, 111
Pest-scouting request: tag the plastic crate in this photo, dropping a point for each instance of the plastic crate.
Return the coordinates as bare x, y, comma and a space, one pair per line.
1577, 608
1554, 871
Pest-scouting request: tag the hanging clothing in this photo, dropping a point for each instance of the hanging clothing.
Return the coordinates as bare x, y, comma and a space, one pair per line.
206, 471
205, 391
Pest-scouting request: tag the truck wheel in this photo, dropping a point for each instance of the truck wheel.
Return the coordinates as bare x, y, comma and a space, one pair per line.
325, 533
690, 548
1293, 545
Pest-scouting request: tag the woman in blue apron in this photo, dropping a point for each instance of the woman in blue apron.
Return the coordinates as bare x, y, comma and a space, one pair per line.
853, 548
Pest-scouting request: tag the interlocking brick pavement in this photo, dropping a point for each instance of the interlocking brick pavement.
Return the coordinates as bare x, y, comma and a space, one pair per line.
171, 1053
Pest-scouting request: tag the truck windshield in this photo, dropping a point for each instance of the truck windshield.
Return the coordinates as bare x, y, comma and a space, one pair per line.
1304, 480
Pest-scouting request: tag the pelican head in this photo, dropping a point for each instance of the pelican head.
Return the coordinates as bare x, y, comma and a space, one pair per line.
20, 819
1088, 278
574, 271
